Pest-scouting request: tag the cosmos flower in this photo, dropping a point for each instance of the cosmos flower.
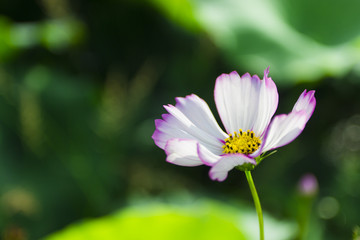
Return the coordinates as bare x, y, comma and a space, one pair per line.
190, 135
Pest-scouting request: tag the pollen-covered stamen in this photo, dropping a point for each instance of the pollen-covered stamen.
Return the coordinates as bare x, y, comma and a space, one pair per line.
242, 142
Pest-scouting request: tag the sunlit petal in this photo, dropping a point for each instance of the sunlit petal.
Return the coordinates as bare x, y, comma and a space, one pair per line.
220, 170
190, 119
206, 156
182, 152
237, 100
268, 102
284, 129
306, 102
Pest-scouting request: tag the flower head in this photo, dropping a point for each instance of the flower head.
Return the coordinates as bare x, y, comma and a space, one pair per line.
190, 135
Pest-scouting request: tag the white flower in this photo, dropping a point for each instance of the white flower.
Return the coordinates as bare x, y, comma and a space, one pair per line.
190, 135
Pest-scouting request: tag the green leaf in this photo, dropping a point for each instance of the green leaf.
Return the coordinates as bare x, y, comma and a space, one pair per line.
260, 33
202, 220
179, 11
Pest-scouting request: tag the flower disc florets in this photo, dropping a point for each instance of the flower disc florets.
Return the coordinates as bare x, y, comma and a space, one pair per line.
244, 142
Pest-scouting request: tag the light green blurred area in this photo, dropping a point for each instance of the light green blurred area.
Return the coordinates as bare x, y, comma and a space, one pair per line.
200, 220
55, 35
300, 40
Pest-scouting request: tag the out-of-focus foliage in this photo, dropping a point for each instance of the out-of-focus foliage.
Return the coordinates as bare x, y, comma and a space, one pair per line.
179, 11
54, 35
356, 235
300, 40
200, 220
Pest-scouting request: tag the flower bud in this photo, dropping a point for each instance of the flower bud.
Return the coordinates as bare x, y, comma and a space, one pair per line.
308, 185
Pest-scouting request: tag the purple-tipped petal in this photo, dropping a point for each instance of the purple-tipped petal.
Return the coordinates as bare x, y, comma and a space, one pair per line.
306, 102
166, 129
237, 100
219, 171
199, 113
190, 119
266, 72
268, 102
284, 129
182, 152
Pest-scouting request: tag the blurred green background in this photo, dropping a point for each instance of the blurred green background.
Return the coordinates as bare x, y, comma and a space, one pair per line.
81, 83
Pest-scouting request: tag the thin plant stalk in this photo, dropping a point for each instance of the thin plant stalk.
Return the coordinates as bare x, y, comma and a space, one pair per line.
256, 202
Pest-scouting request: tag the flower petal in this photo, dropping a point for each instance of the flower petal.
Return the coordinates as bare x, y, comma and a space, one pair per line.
166, 129
190, 119
206, 156
268, 102
182, 152
284, 129
199, 113
306, 102
220, 170
237, 100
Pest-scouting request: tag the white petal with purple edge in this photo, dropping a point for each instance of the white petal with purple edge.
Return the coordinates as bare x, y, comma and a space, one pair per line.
284, 129
306, 102
182, 152
190, 119
167, 129
206, 138
220, 170
268, 102
199, 113
237, 100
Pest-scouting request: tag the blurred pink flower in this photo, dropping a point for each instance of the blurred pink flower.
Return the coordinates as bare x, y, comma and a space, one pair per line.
308, 185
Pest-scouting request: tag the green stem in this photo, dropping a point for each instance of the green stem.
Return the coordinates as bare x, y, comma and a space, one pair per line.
256, 202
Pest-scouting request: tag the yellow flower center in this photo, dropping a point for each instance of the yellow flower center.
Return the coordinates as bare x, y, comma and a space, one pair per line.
242, 142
